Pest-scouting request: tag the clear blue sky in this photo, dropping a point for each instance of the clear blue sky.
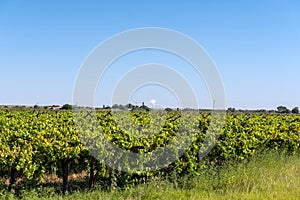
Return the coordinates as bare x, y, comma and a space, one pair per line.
255, 45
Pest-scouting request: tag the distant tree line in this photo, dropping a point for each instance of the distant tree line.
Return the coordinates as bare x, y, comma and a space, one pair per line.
283, 109
279, 109
130, 106
143, 107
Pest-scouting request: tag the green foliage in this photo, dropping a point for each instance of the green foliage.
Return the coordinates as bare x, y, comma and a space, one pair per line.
35, 142
295, 110
231, 109
267, 175
67, 107
168, 109
283, 109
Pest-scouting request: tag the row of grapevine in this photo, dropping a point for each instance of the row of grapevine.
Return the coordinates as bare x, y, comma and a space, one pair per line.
36, 143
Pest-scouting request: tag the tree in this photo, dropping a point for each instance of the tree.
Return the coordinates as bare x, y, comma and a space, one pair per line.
67, 107
231, 109
129, 105
283, 109
119, 106
115, 106
295, 110
144, 107
168, 109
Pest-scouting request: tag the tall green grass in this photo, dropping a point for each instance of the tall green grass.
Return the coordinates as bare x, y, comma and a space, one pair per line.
264, 176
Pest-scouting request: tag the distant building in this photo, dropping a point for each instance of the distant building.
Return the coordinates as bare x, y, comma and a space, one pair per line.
54, 107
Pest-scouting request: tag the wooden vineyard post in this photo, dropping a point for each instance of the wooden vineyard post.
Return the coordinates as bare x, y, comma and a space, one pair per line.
65, 171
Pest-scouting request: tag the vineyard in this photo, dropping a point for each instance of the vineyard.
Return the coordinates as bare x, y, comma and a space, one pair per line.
37, 143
